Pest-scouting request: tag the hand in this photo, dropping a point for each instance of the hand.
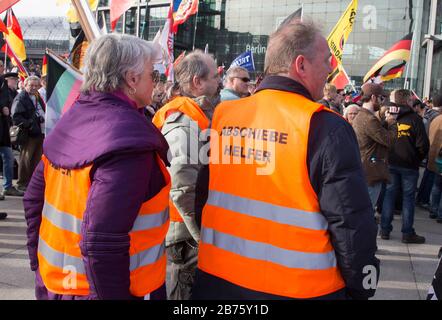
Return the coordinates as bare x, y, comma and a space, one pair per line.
5, 111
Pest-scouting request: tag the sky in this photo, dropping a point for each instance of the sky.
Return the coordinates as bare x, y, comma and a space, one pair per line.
39, 8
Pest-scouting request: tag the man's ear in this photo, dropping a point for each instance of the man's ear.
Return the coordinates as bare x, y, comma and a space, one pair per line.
299, 65
196, 82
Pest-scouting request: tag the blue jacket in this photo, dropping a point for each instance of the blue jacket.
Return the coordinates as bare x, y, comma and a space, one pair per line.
338, 179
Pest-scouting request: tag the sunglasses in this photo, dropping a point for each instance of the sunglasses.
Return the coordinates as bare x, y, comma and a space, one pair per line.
243, 79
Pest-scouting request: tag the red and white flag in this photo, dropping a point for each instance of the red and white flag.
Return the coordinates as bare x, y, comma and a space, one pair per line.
117, 9
166, 42
6, 4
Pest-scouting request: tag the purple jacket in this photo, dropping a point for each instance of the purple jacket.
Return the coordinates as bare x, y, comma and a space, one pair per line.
109, 131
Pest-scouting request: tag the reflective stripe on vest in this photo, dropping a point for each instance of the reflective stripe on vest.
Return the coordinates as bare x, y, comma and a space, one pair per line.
266, 232
266, 252
60, 259
259, 209
60, 234
184, 105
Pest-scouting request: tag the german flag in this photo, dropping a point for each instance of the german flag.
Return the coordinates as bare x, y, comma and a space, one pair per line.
15, 36
23, 73
78, 51
44, 67
399, 51
393, 73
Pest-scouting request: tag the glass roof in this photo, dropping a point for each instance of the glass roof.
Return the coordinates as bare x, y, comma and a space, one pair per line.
42, 28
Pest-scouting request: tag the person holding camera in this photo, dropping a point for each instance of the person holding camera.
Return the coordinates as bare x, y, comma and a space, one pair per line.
374, 138
8, 92
28, 111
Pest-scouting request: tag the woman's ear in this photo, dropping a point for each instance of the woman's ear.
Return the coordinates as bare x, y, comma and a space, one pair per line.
131, 79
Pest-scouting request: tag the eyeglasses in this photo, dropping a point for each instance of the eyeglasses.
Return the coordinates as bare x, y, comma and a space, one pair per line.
155, 76
243, 79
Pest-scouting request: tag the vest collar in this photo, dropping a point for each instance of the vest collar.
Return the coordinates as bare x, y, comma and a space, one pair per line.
284, 84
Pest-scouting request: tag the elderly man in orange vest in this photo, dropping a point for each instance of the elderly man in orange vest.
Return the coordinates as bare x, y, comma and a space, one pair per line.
181, 121
288, 215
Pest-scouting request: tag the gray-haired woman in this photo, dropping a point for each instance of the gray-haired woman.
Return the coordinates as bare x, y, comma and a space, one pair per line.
96, 206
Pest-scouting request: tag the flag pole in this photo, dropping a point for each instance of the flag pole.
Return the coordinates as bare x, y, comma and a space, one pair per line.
302, 11
6, 56
137, 29
6, 46
87, 21
407, 85
194, 33
412, 56
349, 80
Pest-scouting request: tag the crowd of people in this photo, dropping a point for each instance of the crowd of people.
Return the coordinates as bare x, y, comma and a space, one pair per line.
23, 108
128, 183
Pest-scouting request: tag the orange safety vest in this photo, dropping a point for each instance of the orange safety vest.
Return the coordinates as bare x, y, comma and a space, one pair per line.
265, 232
191, 109
59, 256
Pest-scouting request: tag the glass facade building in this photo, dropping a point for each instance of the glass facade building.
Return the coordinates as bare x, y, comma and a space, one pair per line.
230, 27
47, 32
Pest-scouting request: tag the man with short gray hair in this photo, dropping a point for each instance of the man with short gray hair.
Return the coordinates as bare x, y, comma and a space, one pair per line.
236, 84
181, 122
306, 230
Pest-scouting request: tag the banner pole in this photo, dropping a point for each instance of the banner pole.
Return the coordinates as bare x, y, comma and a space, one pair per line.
86, 18
194, 33
6, 56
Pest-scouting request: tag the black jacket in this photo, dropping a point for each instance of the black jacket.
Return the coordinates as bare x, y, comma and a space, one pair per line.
6, 97
412, 145
336, 174
25, 113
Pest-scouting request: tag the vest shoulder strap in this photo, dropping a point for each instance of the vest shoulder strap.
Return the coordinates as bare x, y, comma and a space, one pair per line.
184, 105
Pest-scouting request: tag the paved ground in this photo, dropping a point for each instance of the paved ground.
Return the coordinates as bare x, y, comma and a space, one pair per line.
406, 270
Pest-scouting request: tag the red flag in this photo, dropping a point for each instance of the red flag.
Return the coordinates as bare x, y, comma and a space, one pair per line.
3, 28
6, 4
117, 9
341, 80
182, 10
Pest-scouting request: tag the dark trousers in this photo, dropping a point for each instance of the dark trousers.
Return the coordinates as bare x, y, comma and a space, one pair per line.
30, 156
407, 179
182, 258
424, 192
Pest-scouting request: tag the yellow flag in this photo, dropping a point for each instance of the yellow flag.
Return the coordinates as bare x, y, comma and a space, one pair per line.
340, 33
72, 13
